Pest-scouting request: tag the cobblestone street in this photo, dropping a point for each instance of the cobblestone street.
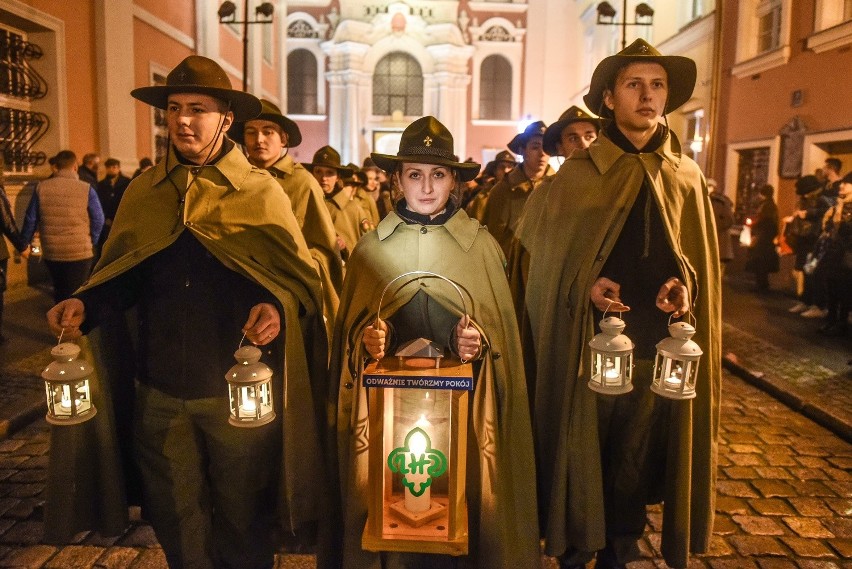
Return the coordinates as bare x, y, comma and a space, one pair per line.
784, 500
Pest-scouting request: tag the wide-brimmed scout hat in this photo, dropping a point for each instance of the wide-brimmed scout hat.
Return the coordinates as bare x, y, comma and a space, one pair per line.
553, 133
328, 157
269, 112
681, 75
199, 74
505, 156
518, 143
427, 141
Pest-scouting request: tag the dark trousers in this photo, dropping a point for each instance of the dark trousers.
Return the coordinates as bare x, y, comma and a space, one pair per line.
633, 434
68, 276
208, 487
4, 265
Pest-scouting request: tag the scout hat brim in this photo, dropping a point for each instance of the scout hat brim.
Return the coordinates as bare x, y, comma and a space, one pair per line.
198, 74
271, 113
519, 142
467, 170
681, 73
328, 157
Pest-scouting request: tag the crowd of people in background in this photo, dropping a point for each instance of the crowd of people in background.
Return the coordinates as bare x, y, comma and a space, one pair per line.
819, 232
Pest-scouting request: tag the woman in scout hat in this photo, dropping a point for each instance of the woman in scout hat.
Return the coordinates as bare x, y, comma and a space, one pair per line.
626, 226
428, 232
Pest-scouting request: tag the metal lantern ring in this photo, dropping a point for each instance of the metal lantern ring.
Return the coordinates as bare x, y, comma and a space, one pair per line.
250, 389
676, 364
418, 415
612, 358
66, 383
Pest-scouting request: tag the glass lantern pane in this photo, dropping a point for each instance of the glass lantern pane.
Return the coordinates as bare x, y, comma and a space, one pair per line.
421, 426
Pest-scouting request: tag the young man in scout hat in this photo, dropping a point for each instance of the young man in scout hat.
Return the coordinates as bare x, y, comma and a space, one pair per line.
350, 220
267, 139
627, 228
507, 198
575, 129
207, 250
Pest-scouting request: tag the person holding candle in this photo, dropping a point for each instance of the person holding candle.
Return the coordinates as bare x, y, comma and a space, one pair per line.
205, 251
428, 232
627, 226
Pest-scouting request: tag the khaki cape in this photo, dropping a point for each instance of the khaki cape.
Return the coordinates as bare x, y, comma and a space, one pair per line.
306, 199
500, 477
569, 228
349, 218
243, 218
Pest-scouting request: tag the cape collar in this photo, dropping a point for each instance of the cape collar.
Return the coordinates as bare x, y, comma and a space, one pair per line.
460, 227
233, 166
284, 167
604, 152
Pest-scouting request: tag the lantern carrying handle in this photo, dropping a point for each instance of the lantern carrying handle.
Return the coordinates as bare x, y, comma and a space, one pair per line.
607, 308
62, 333
240, 345
688, 313
419, 274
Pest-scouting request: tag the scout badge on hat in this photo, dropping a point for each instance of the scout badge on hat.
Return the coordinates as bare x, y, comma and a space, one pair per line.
518, 143
554, 132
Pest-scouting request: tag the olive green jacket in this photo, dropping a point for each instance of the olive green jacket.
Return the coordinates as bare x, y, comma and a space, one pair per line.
500, 471
568, 232
242, 217
350, 219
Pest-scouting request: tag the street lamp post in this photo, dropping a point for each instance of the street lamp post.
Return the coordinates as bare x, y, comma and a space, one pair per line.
227, 15
606, 17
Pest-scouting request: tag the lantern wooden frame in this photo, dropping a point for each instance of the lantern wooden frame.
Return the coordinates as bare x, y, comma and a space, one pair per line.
443, 527
64, 376
611, 353
676, 364
250, 400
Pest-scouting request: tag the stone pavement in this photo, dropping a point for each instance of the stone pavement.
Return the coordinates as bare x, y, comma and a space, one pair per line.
785, 482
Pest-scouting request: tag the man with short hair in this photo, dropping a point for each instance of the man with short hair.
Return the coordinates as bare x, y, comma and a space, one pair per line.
88, 170
627, 230
110, 190
267, 140
69, 218
575, 129
206, 249
507, 198
831, 170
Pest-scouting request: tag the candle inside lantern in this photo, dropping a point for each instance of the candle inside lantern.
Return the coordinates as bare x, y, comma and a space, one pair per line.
417, 475
248, 405
675, 380
611, 375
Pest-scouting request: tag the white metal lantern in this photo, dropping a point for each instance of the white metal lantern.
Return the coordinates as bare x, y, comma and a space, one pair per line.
66, 383
676, 365
250, 389
612, 359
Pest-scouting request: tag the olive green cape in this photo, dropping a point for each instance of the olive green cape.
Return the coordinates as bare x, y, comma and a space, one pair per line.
569, 228
312, 215
243, 218
500, 479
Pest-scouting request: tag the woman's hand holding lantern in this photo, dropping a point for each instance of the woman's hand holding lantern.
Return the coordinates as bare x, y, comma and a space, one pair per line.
375, 339
468, 342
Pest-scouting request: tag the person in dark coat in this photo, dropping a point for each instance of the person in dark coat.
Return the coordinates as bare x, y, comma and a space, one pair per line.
10, 230
110, 190
801, 231
762, 255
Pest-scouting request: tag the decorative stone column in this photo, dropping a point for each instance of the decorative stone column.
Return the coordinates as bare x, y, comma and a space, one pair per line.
449, 85
348, 106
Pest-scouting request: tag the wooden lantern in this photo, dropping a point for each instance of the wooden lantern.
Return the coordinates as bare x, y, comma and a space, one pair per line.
418, 402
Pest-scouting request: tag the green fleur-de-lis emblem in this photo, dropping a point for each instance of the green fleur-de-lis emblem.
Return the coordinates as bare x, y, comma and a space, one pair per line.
427, 141
405, 461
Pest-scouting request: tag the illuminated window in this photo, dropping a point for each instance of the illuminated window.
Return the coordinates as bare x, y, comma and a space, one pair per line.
495, 88
398, 86
301, 83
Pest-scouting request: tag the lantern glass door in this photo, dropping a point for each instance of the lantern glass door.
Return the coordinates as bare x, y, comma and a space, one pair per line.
251, 402
67, 401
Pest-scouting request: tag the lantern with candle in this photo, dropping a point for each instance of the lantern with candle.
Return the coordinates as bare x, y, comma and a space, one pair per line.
66, 382
418, 402
676, 364
250, 389
612, 358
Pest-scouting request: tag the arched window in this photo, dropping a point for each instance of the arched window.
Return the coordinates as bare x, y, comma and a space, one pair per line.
495, 88
301, 83
398, 86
